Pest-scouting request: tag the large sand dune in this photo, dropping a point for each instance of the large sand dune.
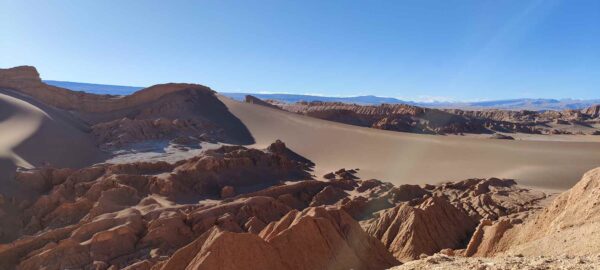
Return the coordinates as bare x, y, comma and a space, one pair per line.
412, 158
18, 121
32, 134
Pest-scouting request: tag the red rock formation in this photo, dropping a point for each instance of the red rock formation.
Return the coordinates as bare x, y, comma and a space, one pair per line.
68, 196
160, 112
408, 118
27, 80
142, 215
222, 250
409, 231
567, 226
444, 216
489, 198
316, 238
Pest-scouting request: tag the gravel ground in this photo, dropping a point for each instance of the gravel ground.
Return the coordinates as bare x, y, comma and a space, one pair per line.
439, 261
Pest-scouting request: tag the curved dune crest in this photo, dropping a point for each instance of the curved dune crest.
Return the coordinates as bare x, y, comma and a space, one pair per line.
19, 121
35, 134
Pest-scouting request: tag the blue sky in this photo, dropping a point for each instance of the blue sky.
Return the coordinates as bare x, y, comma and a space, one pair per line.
418, 50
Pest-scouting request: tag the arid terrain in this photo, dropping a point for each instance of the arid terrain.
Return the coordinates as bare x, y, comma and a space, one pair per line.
175, 176
414, 119
401, 157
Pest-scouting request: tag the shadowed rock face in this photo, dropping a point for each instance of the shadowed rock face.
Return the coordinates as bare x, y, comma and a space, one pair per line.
258, 101
592, 112
104, 212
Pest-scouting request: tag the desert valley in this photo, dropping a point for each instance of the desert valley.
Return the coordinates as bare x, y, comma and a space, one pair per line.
178, 176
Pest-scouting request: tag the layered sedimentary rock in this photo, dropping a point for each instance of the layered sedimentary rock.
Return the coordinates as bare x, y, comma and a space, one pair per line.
409, 231
562, 235
446, 216
143, 215
569, 225
316, 238
408, 118
66, 196
199, 212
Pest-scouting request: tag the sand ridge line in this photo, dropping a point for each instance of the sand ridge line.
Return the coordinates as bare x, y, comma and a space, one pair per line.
22, 124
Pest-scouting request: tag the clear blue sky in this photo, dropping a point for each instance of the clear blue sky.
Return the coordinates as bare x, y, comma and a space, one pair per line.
463, 50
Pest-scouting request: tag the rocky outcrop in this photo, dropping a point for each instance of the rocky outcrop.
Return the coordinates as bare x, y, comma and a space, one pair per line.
397, 117
409, 231
490, 198
592, 112
235, 207
566, 226
67, 196
409, 118
26, 79
430, 219
316, 238
122, 132
254, 100
124, 216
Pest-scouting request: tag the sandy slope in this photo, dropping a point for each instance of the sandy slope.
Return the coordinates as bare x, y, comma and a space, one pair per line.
32, 134
412, 158
19, 120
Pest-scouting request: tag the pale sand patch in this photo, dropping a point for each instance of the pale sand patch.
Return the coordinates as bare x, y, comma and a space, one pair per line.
403, 158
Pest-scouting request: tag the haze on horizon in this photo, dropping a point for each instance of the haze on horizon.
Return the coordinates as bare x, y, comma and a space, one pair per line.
413, 50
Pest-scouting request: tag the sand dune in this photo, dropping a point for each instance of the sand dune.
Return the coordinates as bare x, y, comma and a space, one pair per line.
19, 121
33, 134
412, 158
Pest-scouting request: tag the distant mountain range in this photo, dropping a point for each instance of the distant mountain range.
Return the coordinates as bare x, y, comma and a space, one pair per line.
508, 104
291, 98
517, 104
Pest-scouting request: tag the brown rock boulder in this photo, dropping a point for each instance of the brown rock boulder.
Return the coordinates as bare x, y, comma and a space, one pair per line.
167, 232
316, 238
67, 254
320, 238
107, 245
222, 250
409, 231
